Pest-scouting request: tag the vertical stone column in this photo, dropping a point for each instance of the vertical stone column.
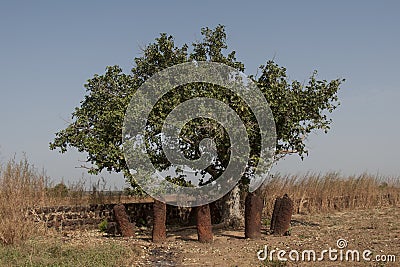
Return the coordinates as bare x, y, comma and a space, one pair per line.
252, 216
123, 222
204, 227
281, 216
159, 220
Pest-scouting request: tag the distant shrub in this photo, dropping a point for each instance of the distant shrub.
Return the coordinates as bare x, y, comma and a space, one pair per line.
103, 226
59, 190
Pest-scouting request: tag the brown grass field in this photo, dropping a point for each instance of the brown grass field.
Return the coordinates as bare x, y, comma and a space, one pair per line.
364, 210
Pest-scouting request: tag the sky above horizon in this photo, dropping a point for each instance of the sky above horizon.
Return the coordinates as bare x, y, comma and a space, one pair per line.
49, 49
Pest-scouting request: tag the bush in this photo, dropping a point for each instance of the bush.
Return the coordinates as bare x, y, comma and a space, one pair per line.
60, 190
103, 226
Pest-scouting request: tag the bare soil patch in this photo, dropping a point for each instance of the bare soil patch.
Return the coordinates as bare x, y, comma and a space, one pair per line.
376, 229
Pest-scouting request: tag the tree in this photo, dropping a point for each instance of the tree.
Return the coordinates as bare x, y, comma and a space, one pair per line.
59, 190
97, 124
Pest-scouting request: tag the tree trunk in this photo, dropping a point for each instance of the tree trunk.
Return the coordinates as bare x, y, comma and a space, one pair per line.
123, 222
231, 207
159, 219
253, 210
204, 227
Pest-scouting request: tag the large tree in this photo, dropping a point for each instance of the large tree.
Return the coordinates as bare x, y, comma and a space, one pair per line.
96, 126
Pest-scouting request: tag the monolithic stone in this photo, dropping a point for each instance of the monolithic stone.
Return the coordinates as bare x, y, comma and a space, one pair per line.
203, 221
126, 227
282, 215
159, 219
252, 213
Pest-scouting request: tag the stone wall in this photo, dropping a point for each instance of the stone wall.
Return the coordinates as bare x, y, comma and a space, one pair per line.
90, 216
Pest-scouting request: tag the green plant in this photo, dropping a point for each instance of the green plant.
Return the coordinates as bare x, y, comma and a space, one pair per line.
267, 223
298, 109
103, 226
141, 222
60, 190
301, 236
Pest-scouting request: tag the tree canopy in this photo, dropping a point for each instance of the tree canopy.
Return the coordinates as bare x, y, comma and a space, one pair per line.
96, 125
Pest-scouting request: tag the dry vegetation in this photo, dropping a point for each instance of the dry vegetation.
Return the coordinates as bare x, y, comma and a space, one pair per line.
317, 193
21, 187
23, 242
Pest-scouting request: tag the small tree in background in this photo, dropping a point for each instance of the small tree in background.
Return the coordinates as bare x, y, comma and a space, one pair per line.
59, 190
97, 124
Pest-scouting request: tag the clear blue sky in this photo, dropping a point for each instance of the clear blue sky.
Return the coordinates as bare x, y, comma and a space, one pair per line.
48, 50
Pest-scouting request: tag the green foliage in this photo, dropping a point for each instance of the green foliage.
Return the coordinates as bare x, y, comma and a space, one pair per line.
141, 222
97, 124
59, 190
266, 223
180, 180
297, 109
103, 226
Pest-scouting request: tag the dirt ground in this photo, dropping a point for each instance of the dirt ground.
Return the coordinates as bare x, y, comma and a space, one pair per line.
377, 230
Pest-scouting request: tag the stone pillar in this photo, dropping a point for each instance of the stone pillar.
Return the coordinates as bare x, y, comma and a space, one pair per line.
281, 216
252, 216
159, 219
123, 222
204, 227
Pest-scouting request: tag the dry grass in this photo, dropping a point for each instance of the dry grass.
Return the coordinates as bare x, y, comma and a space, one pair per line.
53, 251
314, 193
21, 188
